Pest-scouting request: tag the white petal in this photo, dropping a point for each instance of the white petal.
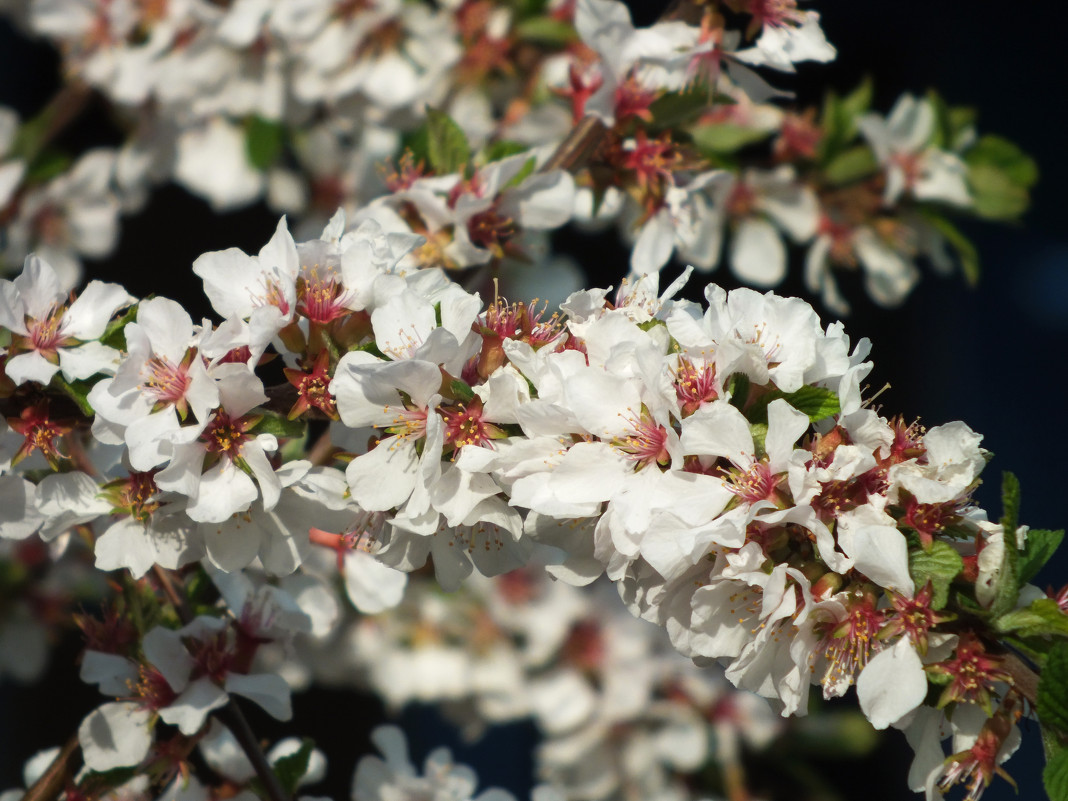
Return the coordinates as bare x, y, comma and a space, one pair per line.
267, 689
892, 684
116, 735
758, 255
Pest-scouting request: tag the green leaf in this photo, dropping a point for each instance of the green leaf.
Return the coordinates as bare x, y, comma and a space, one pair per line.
675, 108
447, 148
1008, 582
738, 387
759, 432
1052, 703
279, 426
995, 151
48, 165
263, 141
939, 565
1055, 776
854, 105
77, 391
546, 31
966, 251
417, 143
994, 195
114, 335
833, 734
523, 174
839, 119
851, 165
1041, 545
291, 769
818, 403
461, 390
726, 138
501, 149
1043, 617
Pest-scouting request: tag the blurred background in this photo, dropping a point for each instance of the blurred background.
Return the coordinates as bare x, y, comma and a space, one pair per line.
993, 356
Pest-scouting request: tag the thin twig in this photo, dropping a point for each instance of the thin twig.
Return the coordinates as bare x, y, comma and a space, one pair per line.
58, 775
177, 599
578, 146
234, 719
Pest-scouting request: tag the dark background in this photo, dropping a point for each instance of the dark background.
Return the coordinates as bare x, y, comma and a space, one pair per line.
993, 356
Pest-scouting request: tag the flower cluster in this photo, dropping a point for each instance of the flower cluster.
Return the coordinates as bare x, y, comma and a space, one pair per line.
717, 462
481, 107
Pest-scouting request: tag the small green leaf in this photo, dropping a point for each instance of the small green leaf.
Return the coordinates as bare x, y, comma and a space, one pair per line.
1052, 703
834, 734
675, 108
738, 387
759, 432
1008, 583
939, 565
292, 768
818, 403
77, 391
1043, 617
994, 195
48, 165
854, 105
279, 426
1055, 776
263, 141
851, 165
114, 335
461, 390
447, 148
726, 138
966, 251
526, 170
417, 143
501, 149
546, 31
995, 151
1041, 545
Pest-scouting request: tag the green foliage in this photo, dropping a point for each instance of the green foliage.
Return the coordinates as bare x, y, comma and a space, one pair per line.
818, 403
1000, 175
839, 119
292, 768
525, 171
263, 141
725, 138
1055, 775
48, 165
966, 251
502, 149
1042, 618
279, 425
1008, 584
738, 387
832, 734
447, 148
461, 390
676, 108
851, 165
952, 124
1052, 704
546, 31
114, 335
939, 565
1039, 548
77, 391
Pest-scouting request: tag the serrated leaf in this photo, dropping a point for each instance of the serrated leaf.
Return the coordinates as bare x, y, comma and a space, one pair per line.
1052, 702
818, 403
1040, 546
292, 768
447, 148
1043, 617
725, 138
1008, 583
263, 141
546, 31
1055, 776
851, 165
966, 251
279, 426
939, 565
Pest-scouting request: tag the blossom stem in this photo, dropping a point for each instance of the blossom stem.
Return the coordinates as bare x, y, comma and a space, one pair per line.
178, 601
578, 146
234, 719
58, 775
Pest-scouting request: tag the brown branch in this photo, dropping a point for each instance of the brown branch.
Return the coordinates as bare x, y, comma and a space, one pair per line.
576, 149
1024, 679
58, 775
